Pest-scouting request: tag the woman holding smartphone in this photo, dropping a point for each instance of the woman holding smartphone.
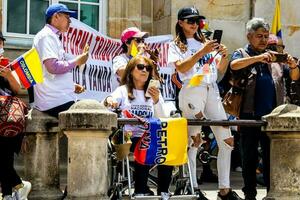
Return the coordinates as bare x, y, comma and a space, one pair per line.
131, 96
195, 57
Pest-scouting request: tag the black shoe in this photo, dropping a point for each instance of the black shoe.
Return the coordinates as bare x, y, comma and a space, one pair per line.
231, 195
208, 178
200, 195
147, 192
248, 197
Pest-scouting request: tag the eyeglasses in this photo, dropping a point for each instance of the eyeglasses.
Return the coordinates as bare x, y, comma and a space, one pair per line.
142, 67
139, 40
192, 20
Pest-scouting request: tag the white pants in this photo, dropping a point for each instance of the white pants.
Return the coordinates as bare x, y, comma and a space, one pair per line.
205, 101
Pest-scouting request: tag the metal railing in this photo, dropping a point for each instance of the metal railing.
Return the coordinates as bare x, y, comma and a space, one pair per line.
207, 122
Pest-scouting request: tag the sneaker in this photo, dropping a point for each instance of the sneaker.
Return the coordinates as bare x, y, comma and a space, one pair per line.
200, 195
148, 192
165, 195
231, 195
24, 191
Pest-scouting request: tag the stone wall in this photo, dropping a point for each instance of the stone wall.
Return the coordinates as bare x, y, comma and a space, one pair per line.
160, 16
127, 13
290, 21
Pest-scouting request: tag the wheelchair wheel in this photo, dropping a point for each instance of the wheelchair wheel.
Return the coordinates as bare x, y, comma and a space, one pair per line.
115, 193
182, 188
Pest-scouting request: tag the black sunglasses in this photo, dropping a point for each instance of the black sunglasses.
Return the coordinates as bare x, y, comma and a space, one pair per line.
142, 67
192, 20
139, 40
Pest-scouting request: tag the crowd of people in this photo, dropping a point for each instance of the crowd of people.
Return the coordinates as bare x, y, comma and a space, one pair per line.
191, 54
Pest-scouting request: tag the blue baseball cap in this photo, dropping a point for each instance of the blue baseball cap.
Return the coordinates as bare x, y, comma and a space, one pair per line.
58, 8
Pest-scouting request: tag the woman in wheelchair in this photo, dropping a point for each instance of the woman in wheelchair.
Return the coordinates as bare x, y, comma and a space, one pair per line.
131, 96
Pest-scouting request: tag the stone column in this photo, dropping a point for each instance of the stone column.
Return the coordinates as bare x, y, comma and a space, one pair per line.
284, 131
87, 125
41, 159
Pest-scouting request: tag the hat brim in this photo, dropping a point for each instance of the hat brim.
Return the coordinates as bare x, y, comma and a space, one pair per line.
193, 16
70, 12
141, 35
2, 38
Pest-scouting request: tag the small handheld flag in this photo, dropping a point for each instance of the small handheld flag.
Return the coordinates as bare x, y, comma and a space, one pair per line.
29, 68
197, 78
276, 24
134, 51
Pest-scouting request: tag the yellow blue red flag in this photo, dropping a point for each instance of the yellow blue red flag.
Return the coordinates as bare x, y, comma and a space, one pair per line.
29, 68
165, 142
276, 24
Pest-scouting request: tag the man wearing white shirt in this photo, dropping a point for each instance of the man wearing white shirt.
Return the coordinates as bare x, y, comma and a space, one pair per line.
57, 92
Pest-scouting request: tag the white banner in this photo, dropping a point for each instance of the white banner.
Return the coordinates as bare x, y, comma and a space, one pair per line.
97, 75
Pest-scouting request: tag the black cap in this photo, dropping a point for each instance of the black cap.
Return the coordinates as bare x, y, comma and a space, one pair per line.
1, 36
188, 12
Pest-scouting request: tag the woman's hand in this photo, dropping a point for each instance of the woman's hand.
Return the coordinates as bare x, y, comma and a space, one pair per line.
111, 102
79, 88
5, 72
154, 93
209, 46
223, 51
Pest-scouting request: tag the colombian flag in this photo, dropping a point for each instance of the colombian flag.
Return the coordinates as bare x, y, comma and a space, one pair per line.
165, 142
276, 25
29, 68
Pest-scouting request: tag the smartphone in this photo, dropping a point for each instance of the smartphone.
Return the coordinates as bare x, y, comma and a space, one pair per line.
152, 83
218, 35
279, 57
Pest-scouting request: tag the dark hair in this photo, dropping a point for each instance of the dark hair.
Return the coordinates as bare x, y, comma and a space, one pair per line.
127, 78
180, 39
124, 45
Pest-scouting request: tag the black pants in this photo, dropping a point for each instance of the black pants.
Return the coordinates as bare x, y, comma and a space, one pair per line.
8, 175
164, 175
250, 138
56, 110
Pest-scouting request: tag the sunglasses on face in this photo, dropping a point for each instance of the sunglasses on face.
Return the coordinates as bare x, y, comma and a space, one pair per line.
192, 20
139, 40
141, 67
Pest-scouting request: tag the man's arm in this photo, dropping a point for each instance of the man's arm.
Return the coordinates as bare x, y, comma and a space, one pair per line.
241, 63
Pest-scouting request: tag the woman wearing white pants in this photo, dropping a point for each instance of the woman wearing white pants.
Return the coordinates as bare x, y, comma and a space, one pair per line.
198, 64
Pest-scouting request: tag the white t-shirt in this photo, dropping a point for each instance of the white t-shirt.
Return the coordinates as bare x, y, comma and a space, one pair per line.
139, 106
56, 89
118, 62
193, 46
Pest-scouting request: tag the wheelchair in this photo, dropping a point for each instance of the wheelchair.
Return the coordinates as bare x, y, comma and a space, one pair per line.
121, 169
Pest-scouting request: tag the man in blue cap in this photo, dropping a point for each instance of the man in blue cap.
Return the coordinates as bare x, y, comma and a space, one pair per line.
57, 92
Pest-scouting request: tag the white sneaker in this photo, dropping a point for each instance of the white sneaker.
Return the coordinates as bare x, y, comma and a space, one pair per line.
165, 195
24, 191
